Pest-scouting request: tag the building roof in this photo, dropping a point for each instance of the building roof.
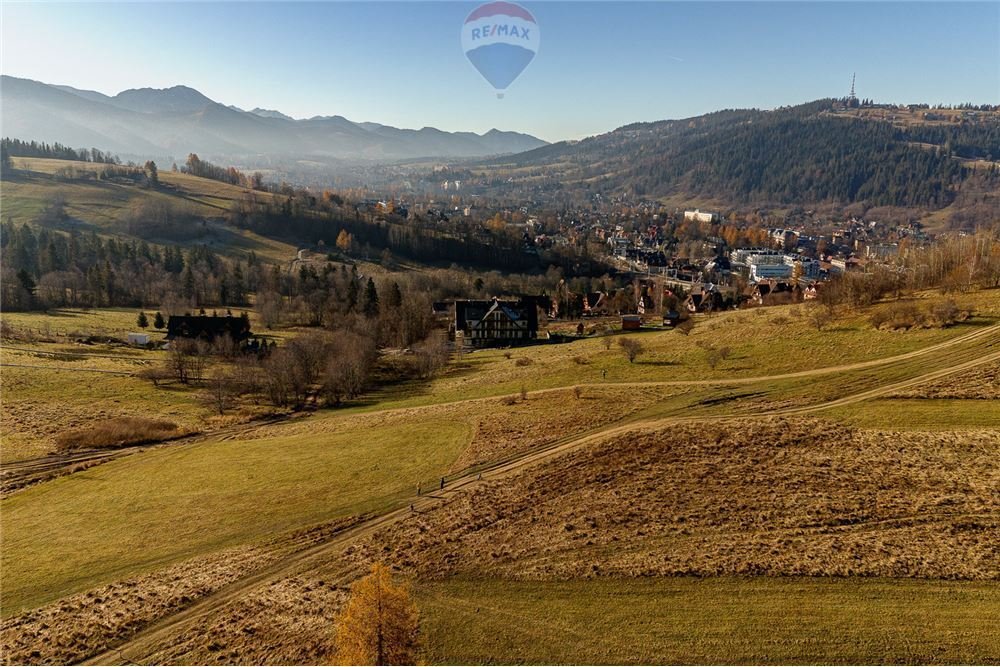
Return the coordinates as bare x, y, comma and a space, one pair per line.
207, 327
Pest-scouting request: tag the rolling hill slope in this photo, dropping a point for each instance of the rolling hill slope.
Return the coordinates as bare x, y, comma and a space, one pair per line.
808, 154
105, 206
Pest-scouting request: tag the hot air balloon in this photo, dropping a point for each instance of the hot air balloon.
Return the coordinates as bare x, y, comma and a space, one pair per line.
500, 39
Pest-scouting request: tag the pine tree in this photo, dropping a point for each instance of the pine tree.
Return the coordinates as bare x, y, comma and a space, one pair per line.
370, 307
158, 320
142, 321
379, 623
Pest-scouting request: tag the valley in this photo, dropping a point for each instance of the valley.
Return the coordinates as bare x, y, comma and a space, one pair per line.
652, 345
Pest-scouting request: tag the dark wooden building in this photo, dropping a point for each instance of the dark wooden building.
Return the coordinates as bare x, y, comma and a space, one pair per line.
208, 328
492, 322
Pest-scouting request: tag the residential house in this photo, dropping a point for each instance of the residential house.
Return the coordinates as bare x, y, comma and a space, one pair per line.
703, 298
772, 291
486, 323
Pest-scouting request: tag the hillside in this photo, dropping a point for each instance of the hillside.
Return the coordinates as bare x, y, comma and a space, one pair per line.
172, 122
662, 481
107, 206
805, 155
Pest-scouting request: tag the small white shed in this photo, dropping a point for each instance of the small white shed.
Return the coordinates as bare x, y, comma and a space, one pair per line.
138, 339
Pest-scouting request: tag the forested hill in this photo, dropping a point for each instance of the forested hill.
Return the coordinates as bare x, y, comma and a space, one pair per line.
812, 153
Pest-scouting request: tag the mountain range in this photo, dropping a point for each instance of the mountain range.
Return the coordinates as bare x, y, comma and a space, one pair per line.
150, 122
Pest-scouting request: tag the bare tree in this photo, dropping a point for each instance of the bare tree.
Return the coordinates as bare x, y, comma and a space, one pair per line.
819, 317
716, 355
432, 353
348, 365
220, 391
632, 348
685, 326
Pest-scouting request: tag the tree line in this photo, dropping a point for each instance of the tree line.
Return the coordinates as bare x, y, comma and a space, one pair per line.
19, 148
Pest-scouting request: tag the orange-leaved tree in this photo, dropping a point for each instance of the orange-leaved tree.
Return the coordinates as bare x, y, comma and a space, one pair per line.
378, 625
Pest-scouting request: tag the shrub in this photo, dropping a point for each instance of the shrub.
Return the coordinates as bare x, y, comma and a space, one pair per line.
685, 326
117, 432
580, 360
523, 361
578, 392
897, 315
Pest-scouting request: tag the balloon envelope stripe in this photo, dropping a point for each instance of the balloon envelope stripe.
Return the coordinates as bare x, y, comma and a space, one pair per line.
498, 8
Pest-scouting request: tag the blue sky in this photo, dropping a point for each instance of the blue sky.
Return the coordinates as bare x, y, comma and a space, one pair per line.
600, 64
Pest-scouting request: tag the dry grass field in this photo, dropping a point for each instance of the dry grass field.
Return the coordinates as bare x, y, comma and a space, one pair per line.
777, 497
860, 513
713, 621
761, 342
49, 392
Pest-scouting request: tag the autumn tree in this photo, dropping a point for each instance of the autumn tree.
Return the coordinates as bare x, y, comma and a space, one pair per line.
378, 625
344, 241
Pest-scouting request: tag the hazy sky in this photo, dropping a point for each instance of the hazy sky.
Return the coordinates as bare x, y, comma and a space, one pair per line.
600, 64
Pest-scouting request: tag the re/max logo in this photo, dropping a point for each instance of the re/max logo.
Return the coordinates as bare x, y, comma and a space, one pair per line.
500, 30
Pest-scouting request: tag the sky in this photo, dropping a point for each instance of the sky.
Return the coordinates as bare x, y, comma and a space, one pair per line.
599, 65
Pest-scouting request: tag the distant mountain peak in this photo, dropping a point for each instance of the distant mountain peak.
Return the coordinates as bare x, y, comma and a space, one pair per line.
176, 99
269, 113
156, 122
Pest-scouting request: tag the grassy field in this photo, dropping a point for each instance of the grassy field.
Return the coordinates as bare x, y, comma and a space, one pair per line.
709, 621
56, 395
762, 342
101, 205
168, 504
144, 512
921, 414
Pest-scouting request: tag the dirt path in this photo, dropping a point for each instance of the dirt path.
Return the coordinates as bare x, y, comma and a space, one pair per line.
67, 368
149, 639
